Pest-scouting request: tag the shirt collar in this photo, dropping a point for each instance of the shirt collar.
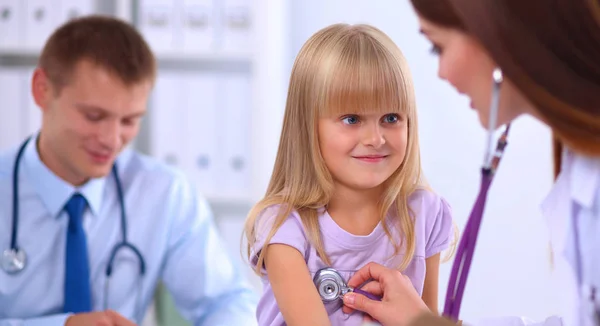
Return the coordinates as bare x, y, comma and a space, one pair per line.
55, 192
584, 179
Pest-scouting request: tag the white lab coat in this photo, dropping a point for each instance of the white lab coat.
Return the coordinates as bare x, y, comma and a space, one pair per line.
577, 186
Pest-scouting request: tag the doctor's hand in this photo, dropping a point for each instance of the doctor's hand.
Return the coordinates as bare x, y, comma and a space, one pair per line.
400, 303
98, 318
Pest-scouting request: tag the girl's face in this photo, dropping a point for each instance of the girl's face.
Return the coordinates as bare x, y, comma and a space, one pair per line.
361, 151
467, 66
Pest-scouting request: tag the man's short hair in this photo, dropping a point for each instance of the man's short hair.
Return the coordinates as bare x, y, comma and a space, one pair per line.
108, 42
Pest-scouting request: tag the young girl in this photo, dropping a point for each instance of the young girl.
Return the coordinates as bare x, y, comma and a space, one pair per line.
346, 187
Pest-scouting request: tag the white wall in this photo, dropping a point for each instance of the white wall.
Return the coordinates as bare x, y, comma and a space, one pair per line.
510, 274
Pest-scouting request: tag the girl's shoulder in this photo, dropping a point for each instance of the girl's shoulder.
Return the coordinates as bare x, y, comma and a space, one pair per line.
426, 201
433, 221
270, 213
280, 217
274, 211
275, 225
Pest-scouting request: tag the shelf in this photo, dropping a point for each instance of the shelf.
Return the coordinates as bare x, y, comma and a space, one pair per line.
224, 205
172, 56
208, 56
20, 52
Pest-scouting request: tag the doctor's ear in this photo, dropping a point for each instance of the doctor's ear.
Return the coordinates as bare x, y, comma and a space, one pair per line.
41, 88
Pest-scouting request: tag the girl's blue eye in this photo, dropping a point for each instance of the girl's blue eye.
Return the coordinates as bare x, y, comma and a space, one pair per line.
351, 119
391, 118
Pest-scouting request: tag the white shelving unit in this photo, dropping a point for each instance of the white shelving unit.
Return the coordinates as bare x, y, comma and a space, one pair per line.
264, 62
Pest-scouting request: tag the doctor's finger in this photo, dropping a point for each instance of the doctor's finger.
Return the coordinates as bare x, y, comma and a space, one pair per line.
373, 287
370, 271
347, 310
359, 302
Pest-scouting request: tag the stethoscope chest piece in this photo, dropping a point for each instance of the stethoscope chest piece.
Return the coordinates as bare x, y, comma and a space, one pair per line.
330, 285
13, 260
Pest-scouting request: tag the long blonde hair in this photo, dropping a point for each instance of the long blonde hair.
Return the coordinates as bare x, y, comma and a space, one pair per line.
340, 69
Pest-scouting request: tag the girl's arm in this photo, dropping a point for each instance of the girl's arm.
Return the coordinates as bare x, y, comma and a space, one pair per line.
430, 288
295, 292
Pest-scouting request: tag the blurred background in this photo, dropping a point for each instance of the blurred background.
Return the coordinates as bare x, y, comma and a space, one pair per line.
217, 109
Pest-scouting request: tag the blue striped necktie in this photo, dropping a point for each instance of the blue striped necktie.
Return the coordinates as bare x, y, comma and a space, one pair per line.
78, 296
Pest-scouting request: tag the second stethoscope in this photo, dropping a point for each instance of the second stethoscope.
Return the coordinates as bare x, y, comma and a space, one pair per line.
14, 259
466, 247
332, 287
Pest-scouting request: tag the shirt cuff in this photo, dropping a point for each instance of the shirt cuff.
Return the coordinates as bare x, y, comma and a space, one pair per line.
53, 320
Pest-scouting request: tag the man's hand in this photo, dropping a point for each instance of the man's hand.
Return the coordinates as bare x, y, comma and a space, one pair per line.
99, 318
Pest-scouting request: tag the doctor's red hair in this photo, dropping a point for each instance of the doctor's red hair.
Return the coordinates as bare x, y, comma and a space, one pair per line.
548, 49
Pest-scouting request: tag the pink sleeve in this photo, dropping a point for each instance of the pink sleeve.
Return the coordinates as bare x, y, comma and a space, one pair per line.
290, 233
439, 229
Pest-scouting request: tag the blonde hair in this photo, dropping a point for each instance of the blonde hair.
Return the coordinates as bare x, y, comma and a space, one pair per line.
340, 69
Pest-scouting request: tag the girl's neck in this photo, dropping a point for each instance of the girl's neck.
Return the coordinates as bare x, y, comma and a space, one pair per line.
356, 211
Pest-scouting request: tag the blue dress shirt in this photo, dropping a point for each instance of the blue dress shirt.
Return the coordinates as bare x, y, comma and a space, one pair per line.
167, 221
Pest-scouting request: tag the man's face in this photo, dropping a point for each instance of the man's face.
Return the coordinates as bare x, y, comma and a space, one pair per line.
88, 122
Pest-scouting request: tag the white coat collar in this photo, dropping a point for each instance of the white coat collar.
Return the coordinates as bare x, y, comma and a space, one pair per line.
585, 180
576, 186
578, 182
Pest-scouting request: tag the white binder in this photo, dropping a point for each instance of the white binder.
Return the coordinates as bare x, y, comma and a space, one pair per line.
158, 24
11, 93
235, 135
12, 17
236, 20
197, 21
70, 9
203, 122
167, 125
41, 19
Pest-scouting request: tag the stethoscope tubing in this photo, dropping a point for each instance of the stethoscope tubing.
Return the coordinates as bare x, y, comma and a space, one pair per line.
14, 248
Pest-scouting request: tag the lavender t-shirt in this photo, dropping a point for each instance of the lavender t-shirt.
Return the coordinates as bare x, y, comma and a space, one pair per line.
348, 252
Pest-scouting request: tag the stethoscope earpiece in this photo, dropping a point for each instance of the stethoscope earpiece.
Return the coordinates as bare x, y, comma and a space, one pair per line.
497, 76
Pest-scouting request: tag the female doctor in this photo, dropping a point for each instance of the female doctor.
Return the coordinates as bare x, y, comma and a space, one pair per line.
535, 57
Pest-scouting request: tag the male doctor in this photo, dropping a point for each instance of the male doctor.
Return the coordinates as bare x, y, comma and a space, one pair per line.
92, 84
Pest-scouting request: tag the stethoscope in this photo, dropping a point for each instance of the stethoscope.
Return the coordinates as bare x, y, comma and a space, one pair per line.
466, 248
332, 287
14, 259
